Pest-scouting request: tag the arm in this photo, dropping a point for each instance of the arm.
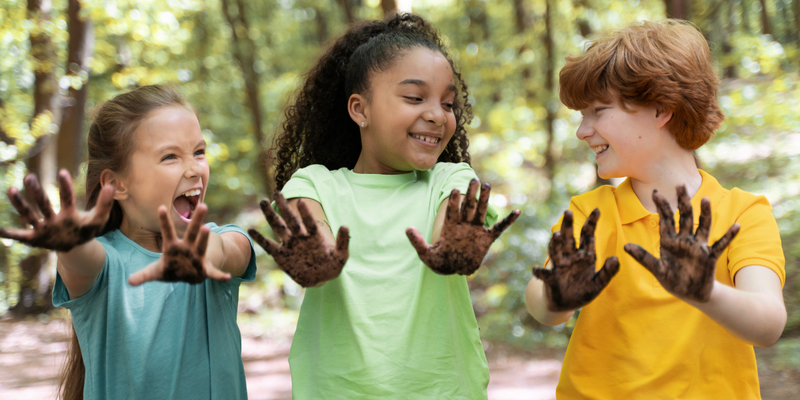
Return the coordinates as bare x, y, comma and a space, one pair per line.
753, 311
229, 252
80, 267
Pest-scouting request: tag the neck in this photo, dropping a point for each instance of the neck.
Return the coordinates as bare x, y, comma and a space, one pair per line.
367, 165
665, 175
147, 239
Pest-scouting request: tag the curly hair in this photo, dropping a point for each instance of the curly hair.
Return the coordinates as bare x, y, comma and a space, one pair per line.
318, 128
664, 63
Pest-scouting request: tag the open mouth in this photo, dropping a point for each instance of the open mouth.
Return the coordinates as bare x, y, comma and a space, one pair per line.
600, 149
186, 203
424, 138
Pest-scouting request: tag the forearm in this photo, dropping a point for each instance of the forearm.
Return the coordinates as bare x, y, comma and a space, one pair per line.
80, 267
754, 317
536, 303
229, 252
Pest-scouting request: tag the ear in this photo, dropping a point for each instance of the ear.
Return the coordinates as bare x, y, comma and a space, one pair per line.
357, 108
120, 189
662, 116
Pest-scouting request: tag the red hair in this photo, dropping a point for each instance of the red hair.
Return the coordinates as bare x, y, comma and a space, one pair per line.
666, 64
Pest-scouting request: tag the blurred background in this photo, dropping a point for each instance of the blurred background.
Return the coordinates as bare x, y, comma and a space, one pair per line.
239, 62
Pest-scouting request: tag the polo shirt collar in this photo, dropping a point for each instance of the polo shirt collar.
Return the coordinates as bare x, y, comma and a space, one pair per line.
631, 209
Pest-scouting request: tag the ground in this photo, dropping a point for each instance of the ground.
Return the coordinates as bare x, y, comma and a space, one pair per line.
31, 353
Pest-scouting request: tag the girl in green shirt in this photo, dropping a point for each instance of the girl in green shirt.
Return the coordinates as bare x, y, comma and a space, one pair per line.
375, 145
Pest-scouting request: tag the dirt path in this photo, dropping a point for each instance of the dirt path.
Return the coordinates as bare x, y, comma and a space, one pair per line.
31, 353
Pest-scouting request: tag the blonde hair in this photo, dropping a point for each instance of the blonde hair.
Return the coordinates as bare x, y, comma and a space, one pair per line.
664, 63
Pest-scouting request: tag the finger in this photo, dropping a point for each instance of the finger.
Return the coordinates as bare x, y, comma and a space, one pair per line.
483, 204
343, 243
726, 239
554, 249
288, 215
196, 223
602, 277
39, 196
28, 215
646, 259
275, 221
418, 242
308, 219
501, 226
686, 212
167, 229
543, 274
567, 234
202, 241
666, 216
470, 202
269, 245
102, 207
66, 191
452, 215
152, 272
20, 235
217, 275
704, 226
587, 232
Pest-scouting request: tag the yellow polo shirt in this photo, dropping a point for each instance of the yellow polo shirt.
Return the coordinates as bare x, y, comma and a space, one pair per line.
635, 340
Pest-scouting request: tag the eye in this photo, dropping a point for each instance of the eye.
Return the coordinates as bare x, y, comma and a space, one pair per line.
169, 157
448, 106
412, 98
200, 152
598, 109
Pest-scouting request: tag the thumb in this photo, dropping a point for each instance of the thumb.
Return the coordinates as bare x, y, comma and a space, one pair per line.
418, 242
152, 272
215, 274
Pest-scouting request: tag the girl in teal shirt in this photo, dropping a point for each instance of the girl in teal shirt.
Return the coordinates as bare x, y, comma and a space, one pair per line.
375, 145
146, 179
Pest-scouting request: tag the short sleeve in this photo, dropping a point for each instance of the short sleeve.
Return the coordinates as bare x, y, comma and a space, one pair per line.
758, 241
61, 294
250, 273
301, 184
458, 177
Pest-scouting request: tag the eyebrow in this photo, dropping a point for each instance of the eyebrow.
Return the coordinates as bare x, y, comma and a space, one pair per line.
420, 82
202, 142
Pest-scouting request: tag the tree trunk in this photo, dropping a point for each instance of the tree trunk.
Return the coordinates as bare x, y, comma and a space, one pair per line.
727, 48
244, 51
796, 4
3, 135
745, 16
677, 8
35, 286
550, 157
347, 6
322, 26
389, 8
70, 137
766, 29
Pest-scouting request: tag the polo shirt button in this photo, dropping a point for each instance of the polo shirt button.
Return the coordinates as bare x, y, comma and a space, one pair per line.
653, 223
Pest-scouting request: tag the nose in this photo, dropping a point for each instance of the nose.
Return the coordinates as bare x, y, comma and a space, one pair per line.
435, 116
584, 130
193, 169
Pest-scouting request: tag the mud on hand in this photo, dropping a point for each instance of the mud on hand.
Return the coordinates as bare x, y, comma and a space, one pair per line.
464, 240
573, 282
303, 252
687, 266
65, 230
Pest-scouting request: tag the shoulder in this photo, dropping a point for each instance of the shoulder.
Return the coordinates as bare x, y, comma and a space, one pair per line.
735, 202
445, 171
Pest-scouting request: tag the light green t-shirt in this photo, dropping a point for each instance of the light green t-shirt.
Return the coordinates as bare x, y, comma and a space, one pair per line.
388, 327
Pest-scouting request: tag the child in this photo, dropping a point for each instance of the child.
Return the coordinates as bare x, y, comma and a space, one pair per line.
164, 340
684, 327
376, 142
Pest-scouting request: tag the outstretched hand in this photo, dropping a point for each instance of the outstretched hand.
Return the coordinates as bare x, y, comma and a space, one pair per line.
303, 252
464, 240
181, 260
687, 266
573, 282
65, 230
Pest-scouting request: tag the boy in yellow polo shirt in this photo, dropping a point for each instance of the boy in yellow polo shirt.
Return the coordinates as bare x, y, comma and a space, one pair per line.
673, 313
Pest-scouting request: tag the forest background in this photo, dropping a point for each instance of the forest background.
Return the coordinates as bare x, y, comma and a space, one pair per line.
239, 62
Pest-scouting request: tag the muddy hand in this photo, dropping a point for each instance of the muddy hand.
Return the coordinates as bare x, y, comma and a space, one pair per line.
303, 252
181, 260
687, 265
464, 240
62, 231
573, 282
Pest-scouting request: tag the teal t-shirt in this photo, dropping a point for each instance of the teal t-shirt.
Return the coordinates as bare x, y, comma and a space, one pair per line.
388, 327
159, 340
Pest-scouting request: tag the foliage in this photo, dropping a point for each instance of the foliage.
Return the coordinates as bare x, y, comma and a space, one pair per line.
505, 63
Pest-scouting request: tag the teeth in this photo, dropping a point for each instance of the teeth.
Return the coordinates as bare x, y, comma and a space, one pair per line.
599, 149
190, 193
428, 139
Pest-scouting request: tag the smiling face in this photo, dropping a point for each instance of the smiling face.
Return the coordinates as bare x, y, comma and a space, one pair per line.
168, 167
408, 114
625, 142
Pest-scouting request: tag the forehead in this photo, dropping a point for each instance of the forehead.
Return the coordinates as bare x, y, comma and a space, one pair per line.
168, 125
418, 63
